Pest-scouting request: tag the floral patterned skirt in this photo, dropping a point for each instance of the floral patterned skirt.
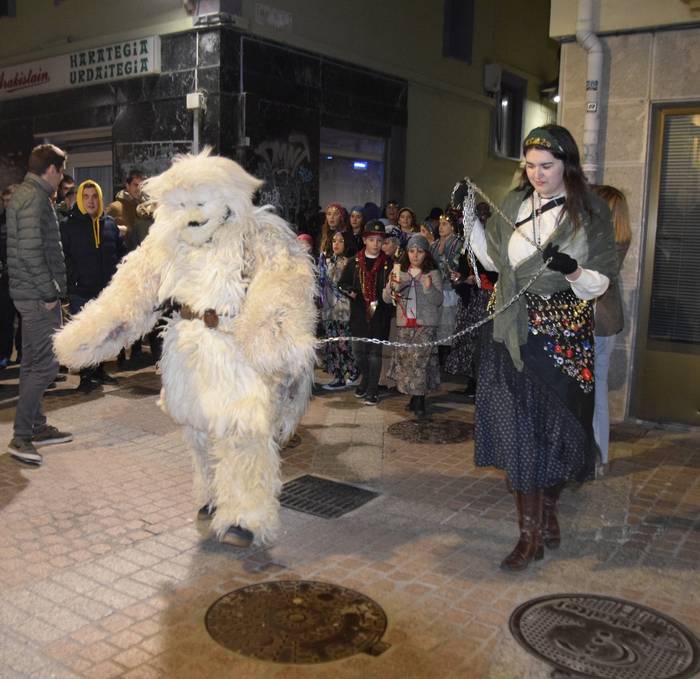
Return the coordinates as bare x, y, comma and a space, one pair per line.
416, 371
338, 358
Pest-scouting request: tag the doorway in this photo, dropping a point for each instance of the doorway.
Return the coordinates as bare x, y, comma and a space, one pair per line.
667, 386
89, 155
351, 168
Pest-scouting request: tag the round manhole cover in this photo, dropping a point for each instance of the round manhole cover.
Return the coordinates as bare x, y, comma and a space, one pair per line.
596, 636
432, 431
297, 621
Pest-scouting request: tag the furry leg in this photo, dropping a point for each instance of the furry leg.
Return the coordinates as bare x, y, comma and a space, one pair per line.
201, 462
246, 485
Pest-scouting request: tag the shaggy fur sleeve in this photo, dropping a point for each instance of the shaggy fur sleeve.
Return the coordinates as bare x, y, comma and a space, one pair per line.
277, 323
124, 311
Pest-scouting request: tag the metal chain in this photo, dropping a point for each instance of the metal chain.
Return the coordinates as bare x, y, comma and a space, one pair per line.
443, 340
473, 326
501, 214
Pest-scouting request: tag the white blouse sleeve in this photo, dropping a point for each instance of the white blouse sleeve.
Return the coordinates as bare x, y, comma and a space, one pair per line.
478, 243
590, 284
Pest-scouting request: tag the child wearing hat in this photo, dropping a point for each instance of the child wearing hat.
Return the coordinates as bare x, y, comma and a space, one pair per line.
363, 280
416, 288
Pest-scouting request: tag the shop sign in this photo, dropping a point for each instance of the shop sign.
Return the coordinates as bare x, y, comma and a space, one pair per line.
118, 61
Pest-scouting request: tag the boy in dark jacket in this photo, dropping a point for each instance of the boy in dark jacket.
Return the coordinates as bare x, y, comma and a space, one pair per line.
92, 247
363, 280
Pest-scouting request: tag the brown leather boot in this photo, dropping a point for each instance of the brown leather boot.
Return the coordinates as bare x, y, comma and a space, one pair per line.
551, 536
529, 545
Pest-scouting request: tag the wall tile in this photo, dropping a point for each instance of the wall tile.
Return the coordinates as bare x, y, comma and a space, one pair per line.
677, 65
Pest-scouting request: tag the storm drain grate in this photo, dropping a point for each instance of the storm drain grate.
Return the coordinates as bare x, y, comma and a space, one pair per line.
322, 497
601, 637
297, 621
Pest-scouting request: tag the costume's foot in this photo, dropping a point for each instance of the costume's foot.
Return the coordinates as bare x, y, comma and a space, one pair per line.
237, 537
360, 392
370, 400
410, 406
104, 378
529, 547
206, 513
87, 384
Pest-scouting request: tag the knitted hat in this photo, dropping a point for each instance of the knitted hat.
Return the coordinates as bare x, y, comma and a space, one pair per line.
418, 241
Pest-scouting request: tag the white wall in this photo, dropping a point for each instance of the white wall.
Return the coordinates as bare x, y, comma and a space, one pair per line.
616, 15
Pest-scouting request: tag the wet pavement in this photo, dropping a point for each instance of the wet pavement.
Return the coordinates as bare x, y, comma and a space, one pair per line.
105, 572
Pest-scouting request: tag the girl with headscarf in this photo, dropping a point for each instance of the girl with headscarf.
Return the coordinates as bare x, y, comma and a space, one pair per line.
445, 251
534, 395
415, 287
335, 313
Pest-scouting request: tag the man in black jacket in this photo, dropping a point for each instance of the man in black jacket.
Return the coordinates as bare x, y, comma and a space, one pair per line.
37, 282
363, 280
92, 247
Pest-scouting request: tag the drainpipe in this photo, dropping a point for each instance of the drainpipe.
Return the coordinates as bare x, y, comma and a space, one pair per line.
594, 72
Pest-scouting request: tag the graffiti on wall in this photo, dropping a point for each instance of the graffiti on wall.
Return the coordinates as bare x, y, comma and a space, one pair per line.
286, 166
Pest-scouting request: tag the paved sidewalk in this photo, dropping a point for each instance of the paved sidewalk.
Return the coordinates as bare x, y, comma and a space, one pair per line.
104, 571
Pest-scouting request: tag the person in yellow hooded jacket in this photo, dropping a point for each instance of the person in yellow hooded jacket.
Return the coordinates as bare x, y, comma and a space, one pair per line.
92, 248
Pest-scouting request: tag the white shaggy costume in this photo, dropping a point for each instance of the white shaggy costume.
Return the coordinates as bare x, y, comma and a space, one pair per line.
240, 388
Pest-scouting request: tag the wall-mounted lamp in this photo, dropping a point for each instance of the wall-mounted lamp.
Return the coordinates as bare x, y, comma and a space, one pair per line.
550, 91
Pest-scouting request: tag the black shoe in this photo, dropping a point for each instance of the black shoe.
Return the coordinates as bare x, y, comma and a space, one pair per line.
25, 451
360, 392
420, 410
411, 405
101, 376
470, 389
237, 537
48, 435
87, 384
371, 400
207, 512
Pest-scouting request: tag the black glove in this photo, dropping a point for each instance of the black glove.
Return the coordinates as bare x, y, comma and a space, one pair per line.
561, 262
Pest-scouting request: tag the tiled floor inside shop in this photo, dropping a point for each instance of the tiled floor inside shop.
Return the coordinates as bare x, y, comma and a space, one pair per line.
104, 571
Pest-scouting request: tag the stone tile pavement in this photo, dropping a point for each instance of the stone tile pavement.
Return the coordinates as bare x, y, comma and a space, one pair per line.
105, 573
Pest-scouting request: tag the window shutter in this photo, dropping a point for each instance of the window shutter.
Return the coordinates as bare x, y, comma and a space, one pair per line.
675, 297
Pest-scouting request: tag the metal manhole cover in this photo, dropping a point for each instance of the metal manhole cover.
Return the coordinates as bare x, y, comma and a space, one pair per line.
432, 431
602, 637
297, 621
322, 497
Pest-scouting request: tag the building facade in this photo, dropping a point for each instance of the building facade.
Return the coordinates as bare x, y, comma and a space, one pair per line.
649, 146
347, 100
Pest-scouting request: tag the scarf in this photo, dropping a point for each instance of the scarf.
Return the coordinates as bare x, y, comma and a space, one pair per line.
368, 279
592, 246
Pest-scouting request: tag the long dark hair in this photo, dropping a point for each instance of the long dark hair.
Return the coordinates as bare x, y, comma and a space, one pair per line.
427, 265
349, 240
577, 204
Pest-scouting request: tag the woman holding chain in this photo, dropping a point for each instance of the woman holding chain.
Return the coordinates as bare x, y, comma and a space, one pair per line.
534, 399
